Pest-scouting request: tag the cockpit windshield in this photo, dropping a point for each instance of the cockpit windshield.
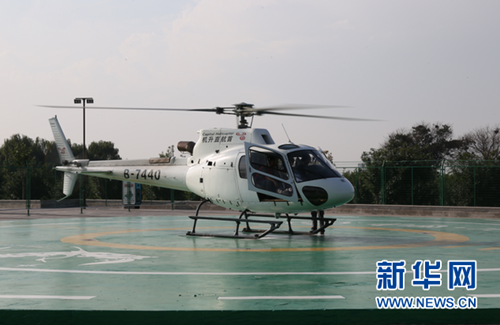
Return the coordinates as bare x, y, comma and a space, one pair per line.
308, 165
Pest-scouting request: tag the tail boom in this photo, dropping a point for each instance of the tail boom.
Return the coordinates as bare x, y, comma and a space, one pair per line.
162, 172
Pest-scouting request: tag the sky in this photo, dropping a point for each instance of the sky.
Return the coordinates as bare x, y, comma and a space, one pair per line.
402, 62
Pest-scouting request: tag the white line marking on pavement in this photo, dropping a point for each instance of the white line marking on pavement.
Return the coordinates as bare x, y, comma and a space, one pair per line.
280, 297
181, 273
46, 297
205, 273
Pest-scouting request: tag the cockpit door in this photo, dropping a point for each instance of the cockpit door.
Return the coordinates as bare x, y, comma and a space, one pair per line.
269, 174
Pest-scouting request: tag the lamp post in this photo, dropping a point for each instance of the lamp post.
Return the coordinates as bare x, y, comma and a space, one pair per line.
80, 100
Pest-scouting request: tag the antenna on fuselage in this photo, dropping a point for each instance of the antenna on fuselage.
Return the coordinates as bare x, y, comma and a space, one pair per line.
286, 133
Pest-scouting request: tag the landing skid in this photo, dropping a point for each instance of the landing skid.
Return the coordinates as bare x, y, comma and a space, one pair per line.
273, 226
324, 223
258, 233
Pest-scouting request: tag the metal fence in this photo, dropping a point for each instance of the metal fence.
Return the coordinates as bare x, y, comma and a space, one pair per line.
443, 183
22, 183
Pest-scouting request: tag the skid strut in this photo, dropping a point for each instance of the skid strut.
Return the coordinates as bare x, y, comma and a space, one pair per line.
273, 225
324, 223
258, 233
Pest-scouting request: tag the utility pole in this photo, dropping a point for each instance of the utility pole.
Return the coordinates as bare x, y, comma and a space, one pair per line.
80, 100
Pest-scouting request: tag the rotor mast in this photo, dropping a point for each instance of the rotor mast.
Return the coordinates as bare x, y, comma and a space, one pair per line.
244, 110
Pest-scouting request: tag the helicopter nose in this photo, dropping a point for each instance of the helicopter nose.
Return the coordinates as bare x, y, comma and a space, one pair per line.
342, 192
328, 194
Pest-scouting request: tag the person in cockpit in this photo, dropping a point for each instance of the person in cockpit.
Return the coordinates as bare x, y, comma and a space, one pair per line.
266, 182
300, 166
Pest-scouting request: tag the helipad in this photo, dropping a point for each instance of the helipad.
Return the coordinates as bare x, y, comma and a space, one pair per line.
139, 266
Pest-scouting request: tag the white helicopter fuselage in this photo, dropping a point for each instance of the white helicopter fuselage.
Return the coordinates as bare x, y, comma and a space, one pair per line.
240, 169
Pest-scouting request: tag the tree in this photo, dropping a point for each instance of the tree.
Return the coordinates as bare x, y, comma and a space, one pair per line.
20, 149
100, 188
366, 192
19, 153
475, 177
410, 157
423, 142
103, 150
27, 164
482, 143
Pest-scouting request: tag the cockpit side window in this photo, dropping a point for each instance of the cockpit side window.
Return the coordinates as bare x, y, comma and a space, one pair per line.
308, 165
266, 161
268, 168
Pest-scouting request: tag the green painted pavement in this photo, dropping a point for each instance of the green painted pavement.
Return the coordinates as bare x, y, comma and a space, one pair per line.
146, 263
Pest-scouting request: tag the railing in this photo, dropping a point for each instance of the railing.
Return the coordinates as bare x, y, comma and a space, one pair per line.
39, 181
441, 183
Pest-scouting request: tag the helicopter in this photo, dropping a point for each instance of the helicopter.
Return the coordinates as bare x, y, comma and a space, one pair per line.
241, 169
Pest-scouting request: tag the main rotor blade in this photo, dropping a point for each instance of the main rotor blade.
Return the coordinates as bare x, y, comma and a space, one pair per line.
224, 108
233, 110
136, 108
319, 116
295, 106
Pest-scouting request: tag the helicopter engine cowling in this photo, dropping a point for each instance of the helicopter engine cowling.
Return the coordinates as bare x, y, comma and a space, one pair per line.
186, 146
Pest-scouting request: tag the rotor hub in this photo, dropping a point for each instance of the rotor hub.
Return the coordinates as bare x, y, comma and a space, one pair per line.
243, 110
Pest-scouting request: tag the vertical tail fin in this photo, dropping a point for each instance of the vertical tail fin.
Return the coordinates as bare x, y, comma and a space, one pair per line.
63, 148
66, 156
